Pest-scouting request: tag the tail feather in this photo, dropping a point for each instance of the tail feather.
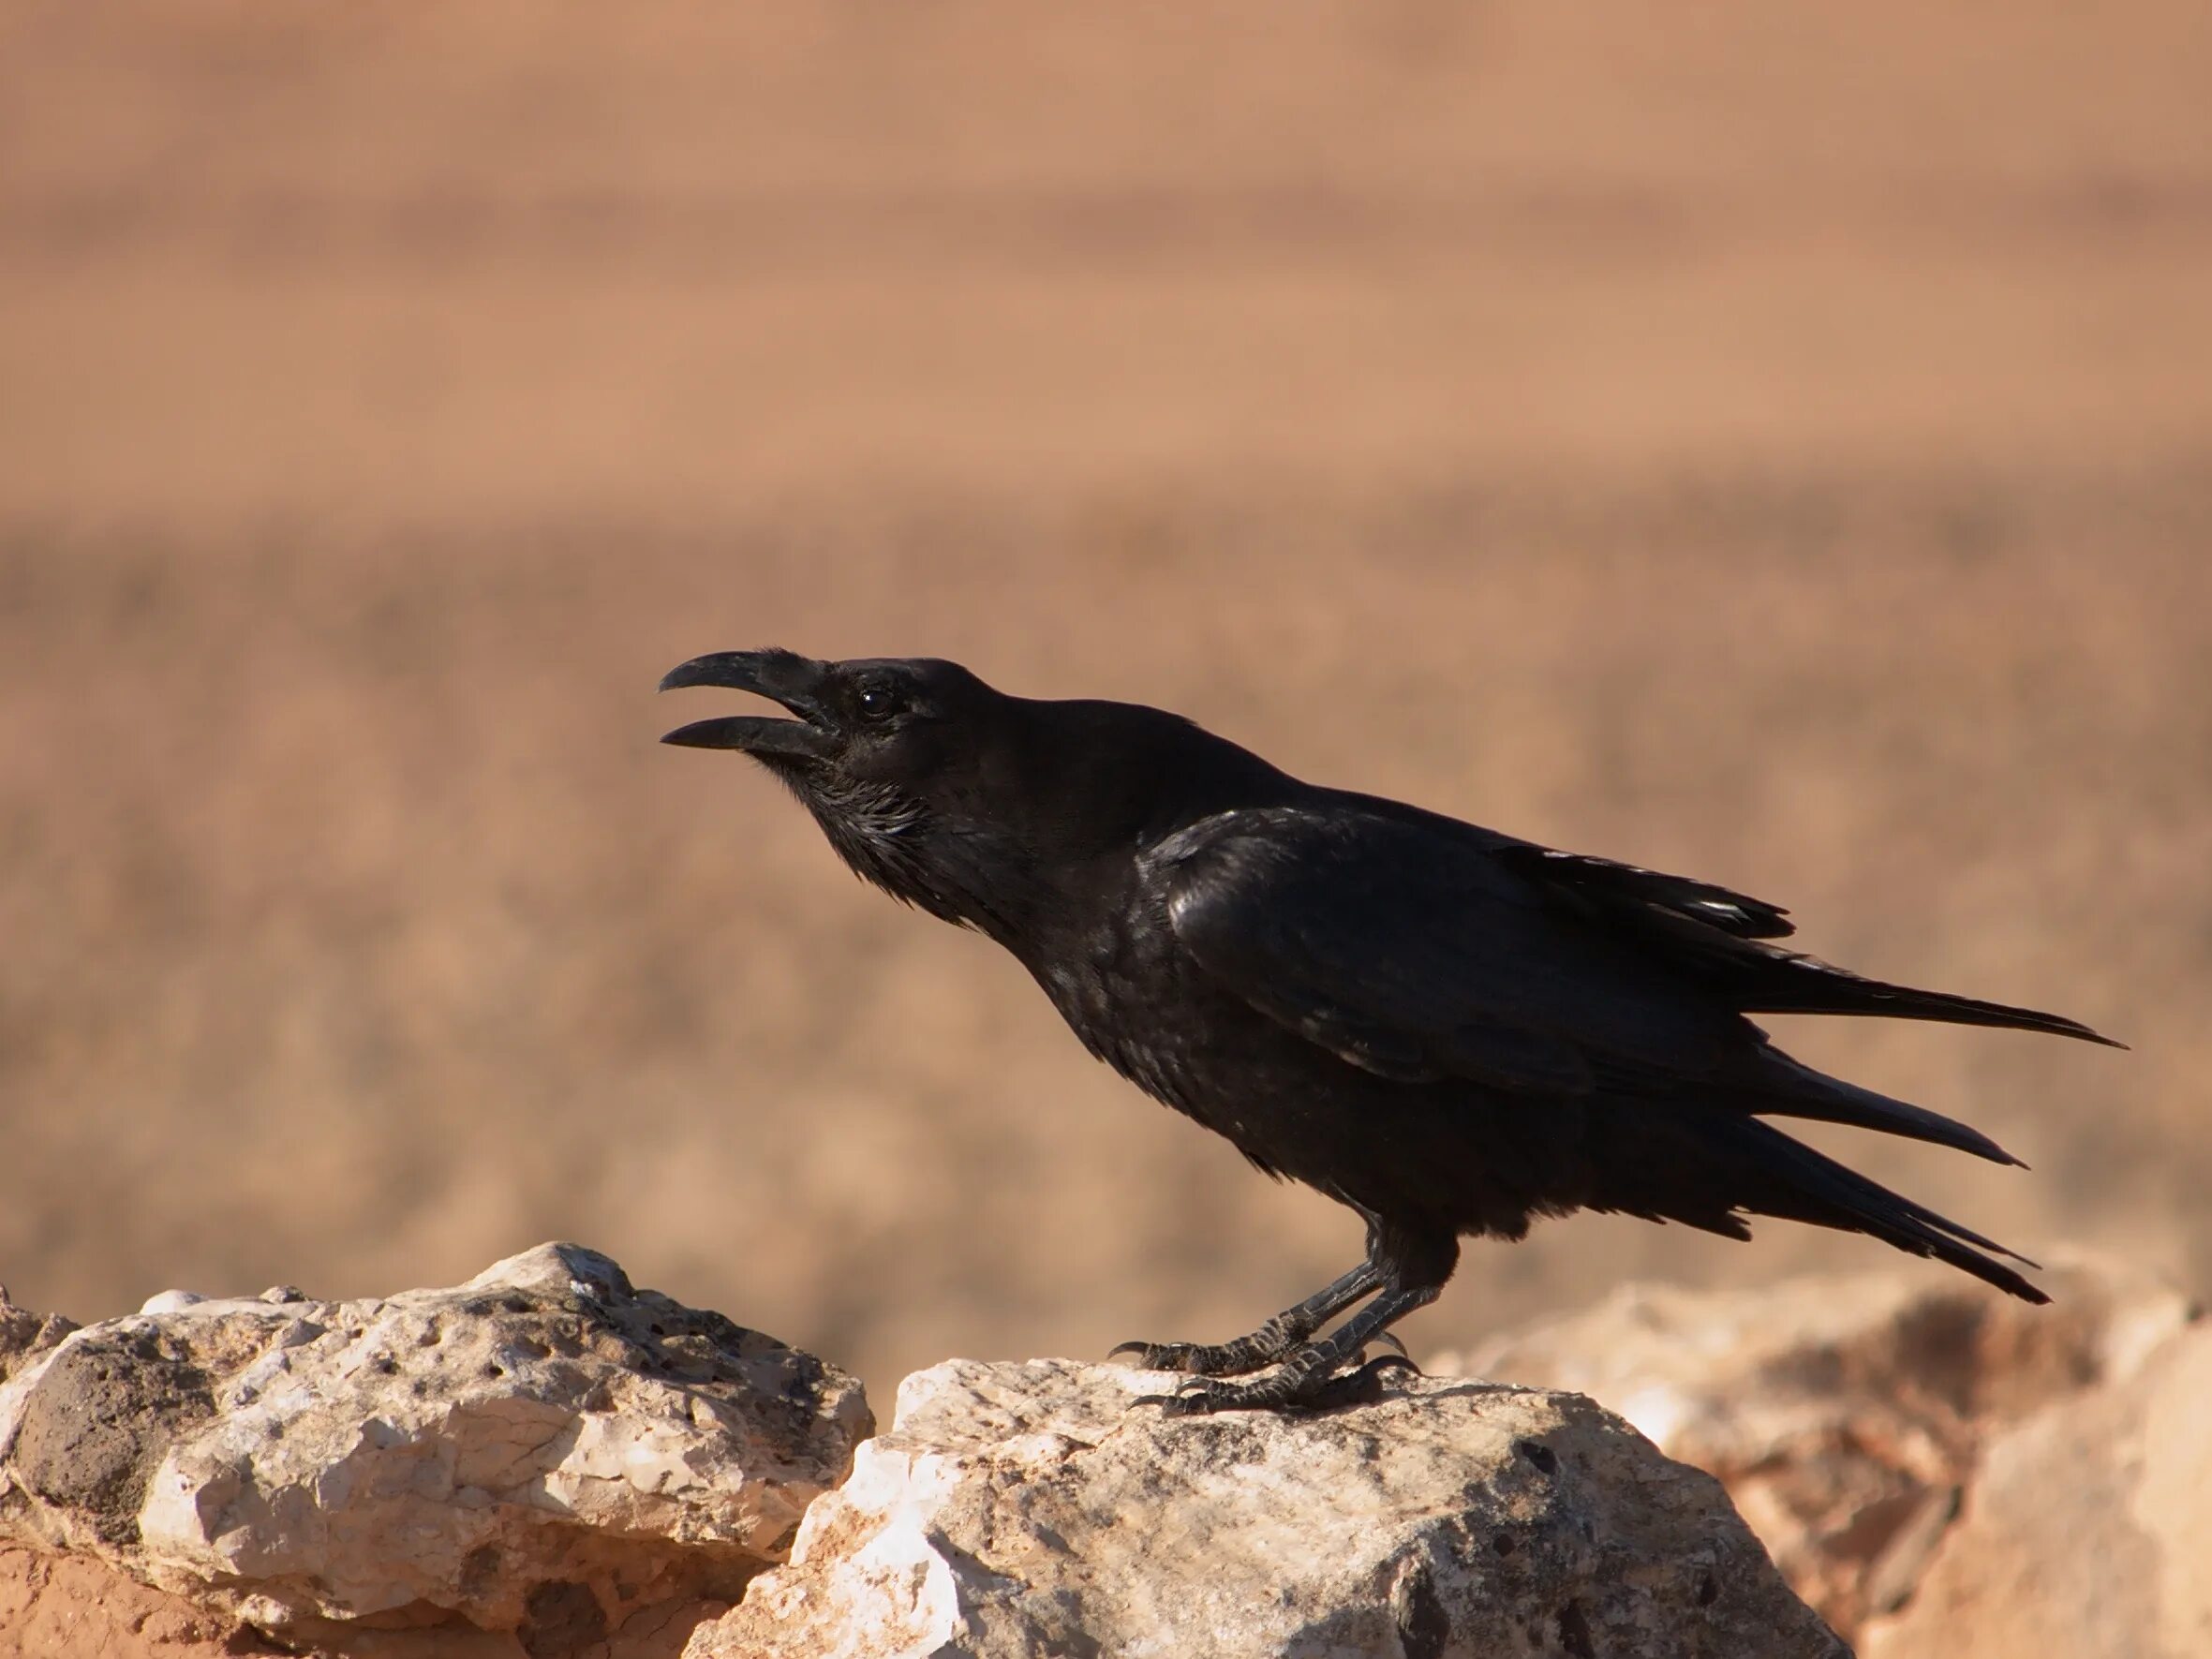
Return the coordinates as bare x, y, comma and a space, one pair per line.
1800, 1184
1757, 977
1799, 1091
1796, 984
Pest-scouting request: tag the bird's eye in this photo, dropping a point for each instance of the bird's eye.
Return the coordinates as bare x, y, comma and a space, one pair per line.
877, 700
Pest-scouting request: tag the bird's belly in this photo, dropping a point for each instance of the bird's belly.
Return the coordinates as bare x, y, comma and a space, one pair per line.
1449, 1152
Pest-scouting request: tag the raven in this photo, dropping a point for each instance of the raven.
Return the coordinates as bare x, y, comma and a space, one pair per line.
1448, 1030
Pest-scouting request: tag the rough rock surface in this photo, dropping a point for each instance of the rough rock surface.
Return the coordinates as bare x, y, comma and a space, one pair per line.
2088, 1532
543, 1450
1844, 1415
24, 1335
1027, 1509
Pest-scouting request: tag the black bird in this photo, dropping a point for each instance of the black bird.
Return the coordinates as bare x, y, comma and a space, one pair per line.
1448, 1030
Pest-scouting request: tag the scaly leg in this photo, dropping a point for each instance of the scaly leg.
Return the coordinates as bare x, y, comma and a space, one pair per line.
1310, 1376
1269, 1343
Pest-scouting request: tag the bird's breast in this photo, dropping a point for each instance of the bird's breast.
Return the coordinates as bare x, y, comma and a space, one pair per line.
1139, 1003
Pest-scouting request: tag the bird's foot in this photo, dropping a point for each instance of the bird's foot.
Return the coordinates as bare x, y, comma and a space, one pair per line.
1290, 1389
1253, 1353
1278, 1340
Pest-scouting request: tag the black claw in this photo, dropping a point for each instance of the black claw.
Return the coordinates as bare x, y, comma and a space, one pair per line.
1201, 1397
1389, 1339
1196, 1398
1205, 1395
1159, 1356
1364, 1387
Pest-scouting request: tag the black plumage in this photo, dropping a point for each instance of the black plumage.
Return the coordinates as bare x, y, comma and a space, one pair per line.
1448, 1030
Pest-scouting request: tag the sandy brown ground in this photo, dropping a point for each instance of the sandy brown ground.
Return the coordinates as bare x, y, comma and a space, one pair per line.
1774, 445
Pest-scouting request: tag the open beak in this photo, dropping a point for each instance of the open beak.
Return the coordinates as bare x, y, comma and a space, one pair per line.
784, 676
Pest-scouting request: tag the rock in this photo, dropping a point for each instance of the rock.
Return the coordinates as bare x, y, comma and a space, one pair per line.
1844, 1415
1029, 1509
543, 1450
24, 1336
2086, 1531
172, 1301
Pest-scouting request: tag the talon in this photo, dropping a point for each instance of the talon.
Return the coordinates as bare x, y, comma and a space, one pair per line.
1197, 1398
1399, 1356
1283, 1392
1157, 1356
1204, 1397
1364, 1387
1200, 1397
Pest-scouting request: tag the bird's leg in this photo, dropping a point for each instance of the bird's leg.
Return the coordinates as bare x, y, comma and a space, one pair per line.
1267, 1344
1308, 1377
1408, 1267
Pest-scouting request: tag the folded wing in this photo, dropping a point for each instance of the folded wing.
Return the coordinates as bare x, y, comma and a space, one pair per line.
1421, 949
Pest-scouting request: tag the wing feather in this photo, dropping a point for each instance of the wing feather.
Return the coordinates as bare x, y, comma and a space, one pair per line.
1417, 956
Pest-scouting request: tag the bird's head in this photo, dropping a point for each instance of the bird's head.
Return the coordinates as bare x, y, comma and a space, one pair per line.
878, 721
906, 762
957, 797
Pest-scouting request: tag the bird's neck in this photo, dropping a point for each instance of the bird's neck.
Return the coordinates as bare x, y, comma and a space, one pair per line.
1046, 844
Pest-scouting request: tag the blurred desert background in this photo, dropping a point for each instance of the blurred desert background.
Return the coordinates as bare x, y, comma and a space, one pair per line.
1770, 444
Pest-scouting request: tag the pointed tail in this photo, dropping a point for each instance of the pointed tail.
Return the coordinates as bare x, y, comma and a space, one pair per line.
1801, 1185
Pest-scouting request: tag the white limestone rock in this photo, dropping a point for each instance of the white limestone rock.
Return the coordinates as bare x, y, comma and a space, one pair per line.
1028, 1509
543, 1448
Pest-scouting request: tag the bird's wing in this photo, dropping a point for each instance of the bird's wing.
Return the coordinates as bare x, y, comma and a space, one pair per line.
1608, 885
1709, 936
1418, 955
1719, 939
